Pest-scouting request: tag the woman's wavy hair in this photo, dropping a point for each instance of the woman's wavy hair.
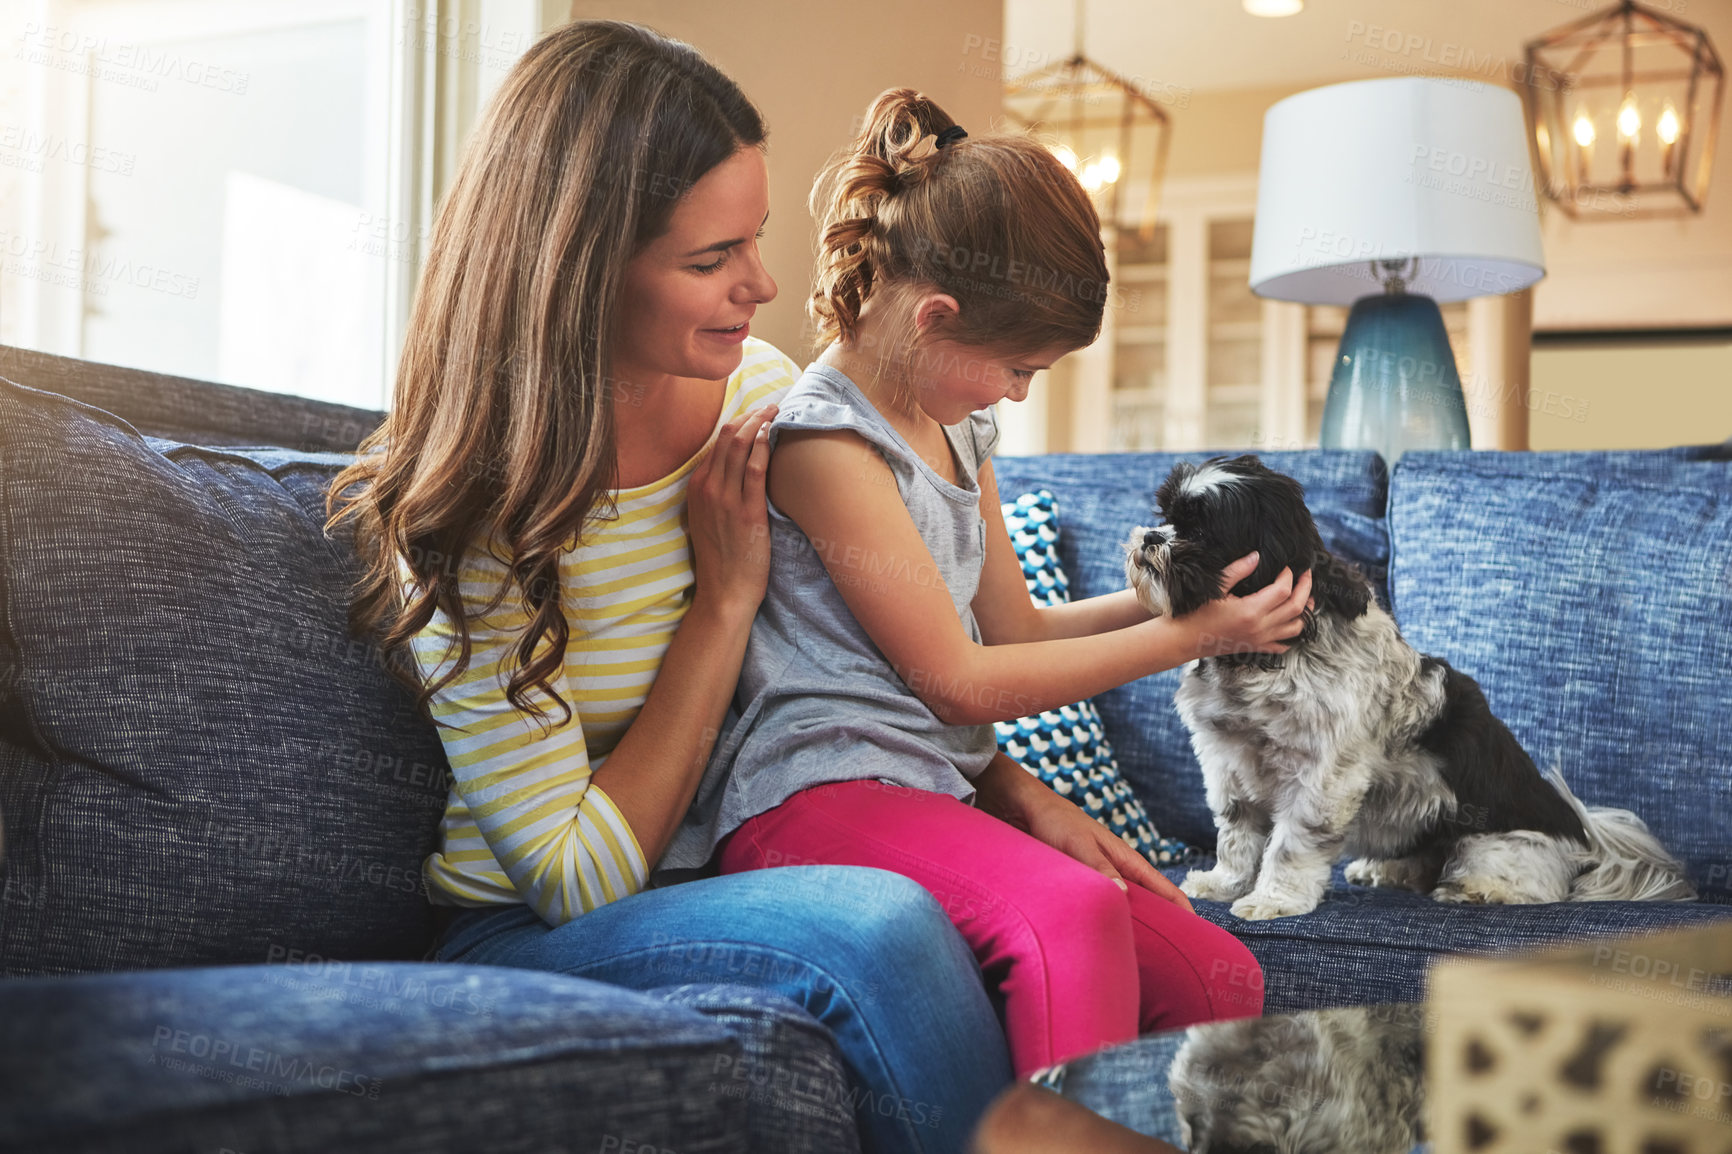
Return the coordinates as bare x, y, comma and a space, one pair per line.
994, 220
501, 431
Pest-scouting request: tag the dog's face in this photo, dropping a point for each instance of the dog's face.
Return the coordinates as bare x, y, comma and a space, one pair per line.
1215, 513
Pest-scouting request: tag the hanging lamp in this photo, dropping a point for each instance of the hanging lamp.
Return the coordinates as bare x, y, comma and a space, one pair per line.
1623, 107
1105, 129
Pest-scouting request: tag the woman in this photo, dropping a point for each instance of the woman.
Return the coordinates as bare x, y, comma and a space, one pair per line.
564, 528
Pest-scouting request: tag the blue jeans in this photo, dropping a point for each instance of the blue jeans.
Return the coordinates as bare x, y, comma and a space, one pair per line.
868, 953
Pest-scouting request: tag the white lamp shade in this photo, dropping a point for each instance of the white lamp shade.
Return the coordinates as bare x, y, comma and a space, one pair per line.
1389, 169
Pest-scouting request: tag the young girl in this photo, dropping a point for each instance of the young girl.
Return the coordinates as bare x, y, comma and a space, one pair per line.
897, 627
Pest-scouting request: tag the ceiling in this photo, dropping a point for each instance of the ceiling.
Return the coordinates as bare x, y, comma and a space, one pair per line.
1175, 46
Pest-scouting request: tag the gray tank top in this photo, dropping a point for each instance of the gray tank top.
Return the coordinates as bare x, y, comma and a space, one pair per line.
817, 702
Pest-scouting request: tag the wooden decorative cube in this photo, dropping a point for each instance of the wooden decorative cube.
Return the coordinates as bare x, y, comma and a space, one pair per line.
1620, 1046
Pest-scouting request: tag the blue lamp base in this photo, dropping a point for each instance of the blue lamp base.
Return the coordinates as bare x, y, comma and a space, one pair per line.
1395, 386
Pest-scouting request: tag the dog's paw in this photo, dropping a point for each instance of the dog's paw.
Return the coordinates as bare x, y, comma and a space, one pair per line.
1262, 907
1363, 872
1465, 893
1212, 886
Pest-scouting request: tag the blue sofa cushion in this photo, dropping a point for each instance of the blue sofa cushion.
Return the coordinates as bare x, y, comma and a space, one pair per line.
789, 1074
197, 764
337, 1057
1590, 595
1102, 497
1364, 945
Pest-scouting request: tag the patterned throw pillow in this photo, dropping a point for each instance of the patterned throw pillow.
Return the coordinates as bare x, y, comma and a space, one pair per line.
1067, 748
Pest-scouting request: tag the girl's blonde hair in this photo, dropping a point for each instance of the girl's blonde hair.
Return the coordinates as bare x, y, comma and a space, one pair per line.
993, 220
501, 434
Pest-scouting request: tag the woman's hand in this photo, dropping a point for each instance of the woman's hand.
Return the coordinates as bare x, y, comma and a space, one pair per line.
1010, 793
726, 515
1257, 623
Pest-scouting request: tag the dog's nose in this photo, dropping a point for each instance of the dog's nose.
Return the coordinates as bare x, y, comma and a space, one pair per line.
1152, 538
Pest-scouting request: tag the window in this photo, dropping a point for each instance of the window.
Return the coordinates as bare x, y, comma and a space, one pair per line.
236, 192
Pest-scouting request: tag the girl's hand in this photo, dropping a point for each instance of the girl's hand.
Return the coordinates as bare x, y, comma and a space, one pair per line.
1257, 623
726, 515
1011, 794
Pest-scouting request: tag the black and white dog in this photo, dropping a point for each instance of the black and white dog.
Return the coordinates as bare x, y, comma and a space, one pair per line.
1351, 742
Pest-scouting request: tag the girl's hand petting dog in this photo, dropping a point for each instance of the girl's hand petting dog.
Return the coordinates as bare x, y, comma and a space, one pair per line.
1259, 622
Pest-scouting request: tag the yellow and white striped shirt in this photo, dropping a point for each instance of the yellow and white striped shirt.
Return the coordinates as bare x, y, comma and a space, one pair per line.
522, 822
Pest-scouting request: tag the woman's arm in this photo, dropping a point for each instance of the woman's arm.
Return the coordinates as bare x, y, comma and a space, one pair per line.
842, 495
654, 771
570, 838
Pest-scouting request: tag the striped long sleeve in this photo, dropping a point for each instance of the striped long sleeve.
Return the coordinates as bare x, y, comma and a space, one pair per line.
524, 822
530, 819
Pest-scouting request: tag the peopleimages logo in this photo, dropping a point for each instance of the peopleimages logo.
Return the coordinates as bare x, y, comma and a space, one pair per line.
1393, 49
23, 147
134, 65
226, 1060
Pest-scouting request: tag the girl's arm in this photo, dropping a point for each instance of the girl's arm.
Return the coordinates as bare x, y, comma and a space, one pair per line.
842, 495
1002, 607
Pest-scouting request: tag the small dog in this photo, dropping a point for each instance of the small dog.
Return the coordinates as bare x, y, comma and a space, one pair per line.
1351, 743
1348, 1081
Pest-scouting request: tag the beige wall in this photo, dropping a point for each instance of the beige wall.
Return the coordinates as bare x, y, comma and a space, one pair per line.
812, 68
1630, 396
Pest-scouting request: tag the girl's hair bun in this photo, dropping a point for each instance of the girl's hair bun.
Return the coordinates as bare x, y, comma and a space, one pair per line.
994, 220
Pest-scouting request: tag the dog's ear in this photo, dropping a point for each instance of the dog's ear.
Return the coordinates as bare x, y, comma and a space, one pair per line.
1337, 587
1170, 488
1192, 579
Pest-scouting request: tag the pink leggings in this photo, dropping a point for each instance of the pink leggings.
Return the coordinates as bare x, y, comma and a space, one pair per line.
1080, 963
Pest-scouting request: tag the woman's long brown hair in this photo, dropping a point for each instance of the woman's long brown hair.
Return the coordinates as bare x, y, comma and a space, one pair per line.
501, 431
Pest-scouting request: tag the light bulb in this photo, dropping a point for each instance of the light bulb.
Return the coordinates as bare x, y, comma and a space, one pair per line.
1065, 156
1108, 168
1091, 177
1584, 129
1668, 126
1629, 120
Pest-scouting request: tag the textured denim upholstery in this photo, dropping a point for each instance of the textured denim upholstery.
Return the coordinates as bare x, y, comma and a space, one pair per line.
789, 1073
1592, 600
197, 765
376, 1058
1100, 499
1372, 945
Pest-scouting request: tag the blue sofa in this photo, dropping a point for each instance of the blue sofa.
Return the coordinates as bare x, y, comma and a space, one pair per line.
213, 930
1589, 593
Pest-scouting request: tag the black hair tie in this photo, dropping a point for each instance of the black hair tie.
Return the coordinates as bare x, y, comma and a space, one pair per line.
951, 135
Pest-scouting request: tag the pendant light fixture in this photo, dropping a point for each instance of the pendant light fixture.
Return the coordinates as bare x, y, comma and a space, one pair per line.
1624, 107
1107, 130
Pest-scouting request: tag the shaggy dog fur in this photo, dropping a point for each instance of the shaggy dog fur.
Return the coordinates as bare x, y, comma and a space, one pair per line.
1351, 743
1319, 1082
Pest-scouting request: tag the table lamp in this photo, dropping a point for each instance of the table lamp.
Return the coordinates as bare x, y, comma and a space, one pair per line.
1390, 196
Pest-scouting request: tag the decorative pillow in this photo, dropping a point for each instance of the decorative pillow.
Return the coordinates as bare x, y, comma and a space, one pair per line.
1067, 747
198, 766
